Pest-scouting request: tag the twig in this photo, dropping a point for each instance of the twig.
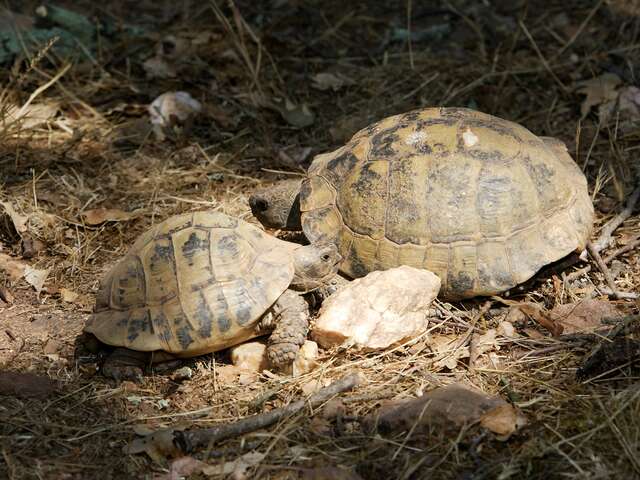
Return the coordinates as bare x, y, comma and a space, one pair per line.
604, 239
633, 243
580, 28
603, 268
542, 59
591, 358
41, 89
190, 440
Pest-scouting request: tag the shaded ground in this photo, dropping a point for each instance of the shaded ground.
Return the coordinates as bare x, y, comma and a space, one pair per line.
518, 60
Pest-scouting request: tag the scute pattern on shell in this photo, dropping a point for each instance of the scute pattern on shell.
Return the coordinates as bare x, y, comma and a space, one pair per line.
194, 284
480, 201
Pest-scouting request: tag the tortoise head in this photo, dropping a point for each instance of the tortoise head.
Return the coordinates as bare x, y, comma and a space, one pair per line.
278, 206
314, 266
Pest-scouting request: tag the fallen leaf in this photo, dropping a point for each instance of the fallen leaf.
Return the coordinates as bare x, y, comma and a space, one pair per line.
19, 221
629, 103
5, 294
600, 91
158, 67
173, 107
35, 114
236, 468
12, 267
446, 350
333, 408
183, 467
68, 296
584, 316
296, 115
326, 81
503, 420
329, 473
35, 277
507, 330
536, 312
320, 426
228, 374
158, 445
101, 215
481, 344
26, 385
448, 407
31, 246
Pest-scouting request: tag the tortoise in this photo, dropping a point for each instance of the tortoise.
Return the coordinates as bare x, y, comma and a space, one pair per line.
201, 282
478, 200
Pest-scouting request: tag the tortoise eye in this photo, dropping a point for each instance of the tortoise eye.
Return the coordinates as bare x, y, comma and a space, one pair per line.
258, 204
326, 257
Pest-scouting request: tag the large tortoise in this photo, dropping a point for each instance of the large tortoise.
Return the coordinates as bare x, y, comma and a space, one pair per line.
480, 201
201, 282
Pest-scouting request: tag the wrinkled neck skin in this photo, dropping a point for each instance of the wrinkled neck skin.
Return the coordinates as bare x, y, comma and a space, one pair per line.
314, 266
278, 207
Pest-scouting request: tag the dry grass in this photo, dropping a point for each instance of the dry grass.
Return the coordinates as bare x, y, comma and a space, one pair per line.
521, 66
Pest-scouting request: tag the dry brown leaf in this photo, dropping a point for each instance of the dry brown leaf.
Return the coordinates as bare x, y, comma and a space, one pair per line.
228, 374
68, 296
158, 445
35, 114
183, 467
448, 407
237, 469
26, 385
601, 92
629, 103
537, 313
481, 344
6, 295
446, 350
329, 473
12, 267
584, 316
296, 115
35, 277
503, 420
101, 215
320, 426
326, 81
19, 221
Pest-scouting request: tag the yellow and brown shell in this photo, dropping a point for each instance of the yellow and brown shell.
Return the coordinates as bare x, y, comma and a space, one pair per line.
193, 284
480, 201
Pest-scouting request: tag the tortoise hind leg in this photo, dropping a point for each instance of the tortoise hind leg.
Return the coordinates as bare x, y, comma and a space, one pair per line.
290, 332
124, 364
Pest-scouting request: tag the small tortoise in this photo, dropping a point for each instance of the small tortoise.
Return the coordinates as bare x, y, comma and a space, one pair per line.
478, 200
201, 282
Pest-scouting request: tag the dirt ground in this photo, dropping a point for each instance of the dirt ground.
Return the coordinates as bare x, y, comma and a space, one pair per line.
266, 113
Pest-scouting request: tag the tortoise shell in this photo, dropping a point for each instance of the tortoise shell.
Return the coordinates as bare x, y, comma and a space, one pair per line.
193, 284
480, 201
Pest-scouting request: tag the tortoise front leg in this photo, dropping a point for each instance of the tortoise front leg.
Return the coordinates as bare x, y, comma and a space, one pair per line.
124, 364
290, 332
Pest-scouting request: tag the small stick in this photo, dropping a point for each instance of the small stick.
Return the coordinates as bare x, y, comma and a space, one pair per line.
633, 243
190, 440
604, 239
603, 268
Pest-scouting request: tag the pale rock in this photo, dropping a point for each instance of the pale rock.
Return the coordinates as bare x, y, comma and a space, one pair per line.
380, 310
251, 356
306, 359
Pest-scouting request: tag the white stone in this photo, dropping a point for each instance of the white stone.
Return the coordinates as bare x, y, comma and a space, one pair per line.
380, 310
250, 356
306, 359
